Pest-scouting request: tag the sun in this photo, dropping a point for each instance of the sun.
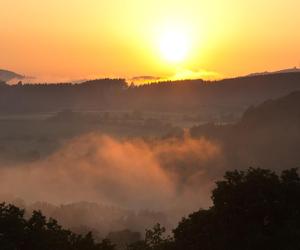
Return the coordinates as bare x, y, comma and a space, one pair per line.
174, 45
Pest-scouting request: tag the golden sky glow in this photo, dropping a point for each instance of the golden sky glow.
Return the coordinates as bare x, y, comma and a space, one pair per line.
73, 39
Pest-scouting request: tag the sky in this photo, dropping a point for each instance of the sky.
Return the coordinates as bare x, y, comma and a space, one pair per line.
76, 39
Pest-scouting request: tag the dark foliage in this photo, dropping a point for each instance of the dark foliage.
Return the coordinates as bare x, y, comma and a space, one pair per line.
253, 209
37, 232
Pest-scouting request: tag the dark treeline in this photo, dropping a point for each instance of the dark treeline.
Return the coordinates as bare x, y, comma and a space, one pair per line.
252, 209
186, 95
53, 97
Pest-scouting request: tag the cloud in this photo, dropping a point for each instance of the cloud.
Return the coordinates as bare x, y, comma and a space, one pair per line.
144, 79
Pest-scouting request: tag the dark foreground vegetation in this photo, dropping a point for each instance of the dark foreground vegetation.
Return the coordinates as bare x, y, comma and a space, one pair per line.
255, 209
252, 209
37, 233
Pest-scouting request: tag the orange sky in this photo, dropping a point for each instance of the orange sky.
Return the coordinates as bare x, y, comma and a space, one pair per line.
74, 39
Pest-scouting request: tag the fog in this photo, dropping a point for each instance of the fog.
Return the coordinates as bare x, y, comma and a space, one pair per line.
170, 176
130, 173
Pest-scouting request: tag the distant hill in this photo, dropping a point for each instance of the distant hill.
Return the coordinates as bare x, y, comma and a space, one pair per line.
291, 70
272, 113
267, 135
228, 95
225, 94
6, 75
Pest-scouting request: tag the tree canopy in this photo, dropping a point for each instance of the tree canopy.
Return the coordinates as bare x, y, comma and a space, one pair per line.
253, 209
38, 232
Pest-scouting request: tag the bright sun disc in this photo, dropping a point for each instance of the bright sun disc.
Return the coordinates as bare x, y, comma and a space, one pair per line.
174, 46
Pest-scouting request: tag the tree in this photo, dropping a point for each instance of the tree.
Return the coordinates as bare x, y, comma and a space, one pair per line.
154, 240
38, 232
12, 227
253, 209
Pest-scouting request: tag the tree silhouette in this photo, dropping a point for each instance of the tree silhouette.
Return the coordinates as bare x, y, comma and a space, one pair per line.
38, 232
154, 240
253, 209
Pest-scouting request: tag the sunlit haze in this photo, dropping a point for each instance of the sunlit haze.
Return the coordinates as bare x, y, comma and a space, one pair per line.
75, 39
149, 124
